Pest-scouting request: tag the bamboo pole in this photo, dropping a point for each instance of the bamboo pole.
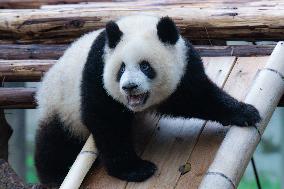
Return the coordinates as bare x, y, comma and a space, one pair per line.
81, 165
240, 142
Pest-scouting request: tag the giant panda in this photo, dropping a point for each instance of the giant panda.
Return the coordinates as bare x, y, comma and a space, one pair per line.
137, 64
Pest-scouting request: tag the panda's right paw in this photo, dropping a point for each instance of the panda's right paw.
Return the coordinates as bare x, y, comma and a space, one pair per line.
134, 171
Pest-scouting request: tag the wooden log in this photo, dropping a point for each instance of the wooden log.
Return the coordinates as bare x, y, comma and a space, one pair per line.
34, 51
32, 4
24, 70
39, 51
5, 134
235, 20
235, 152
17, 98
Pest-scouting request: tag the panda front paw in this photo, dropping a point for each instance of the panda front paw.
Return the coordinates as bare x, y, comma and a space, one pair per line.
133, 171
247, 115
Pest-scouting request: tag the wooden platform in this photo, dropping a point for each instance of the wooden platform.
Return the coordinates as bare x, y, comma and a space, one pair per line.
172, 143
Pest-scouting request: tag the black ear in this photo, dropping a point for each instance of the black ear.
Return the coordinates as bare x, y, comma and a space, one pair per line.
167, 31
113, 34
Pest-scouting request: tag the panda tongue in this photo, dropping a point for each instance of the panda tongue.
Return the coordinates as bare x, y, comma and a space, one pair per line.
135, 99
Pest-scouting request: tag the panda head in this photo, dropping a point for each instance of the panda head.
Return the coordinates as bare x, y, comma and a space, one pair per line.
144, 60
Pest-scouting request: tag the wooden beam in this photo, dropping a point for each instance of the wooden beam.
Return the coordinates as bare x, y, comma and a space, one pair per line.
39, 51
206, 20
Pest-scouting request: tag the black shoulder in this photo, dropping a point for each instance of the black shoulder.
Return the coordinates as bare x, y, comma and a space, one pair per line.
192, 79
94, 98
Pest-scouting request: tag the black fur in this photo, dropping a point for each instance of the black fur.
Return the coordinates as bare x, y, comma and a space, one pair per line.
167, 31
197, 96
113, 34
55, 152
110, 122
120, 72
147, 69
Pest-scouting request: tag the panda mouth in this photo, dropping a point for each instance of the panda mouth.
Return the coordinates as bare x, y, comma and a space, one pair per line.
137, 99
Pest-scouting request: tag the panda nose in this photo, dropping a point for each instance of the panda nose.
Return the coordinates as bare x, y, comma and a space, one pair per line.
129, 87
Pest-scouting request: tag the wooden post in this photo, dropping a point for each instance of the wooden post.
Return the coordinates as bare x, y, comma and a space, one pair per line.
5, 134
240, 142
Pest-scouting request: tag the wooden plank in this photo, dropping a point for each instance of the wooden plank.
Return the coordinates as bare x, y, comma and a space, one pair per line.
211, 137
233, 20
40, 51
174, 139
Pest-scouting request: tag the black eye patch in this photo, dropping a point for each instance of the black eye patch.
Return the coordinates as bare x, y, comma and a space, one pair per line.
120, 72
146, 68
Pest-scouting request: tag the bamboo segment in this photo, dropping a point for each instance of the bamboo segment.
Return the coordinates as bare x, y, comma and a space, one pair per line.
81, 165
240, 142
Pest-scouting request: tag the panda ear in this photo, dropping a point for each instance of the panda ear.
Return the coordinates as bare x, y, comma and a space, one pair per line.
167, 31
113, 34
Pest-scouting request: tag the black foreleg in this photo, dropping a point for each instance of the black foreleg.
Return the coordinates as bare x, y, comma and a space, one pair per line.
55, 152
113, 140
197, 96
212, 103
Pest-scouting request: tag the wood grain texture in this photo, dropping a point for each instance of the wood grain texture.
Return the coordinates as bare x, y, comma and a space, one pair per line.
40, 51
206, 20
213, 134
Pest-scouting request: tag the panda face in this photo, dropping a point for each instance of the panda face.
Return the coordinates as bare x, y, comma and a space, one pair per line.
142, 71
135, 83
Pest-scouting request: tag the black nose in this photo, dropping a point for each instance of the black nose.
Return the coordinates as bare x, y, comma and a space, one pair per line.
129, 87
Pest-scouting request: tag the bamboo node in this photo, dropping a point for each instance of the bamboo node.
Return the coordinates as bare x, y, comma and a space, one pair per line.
223, 176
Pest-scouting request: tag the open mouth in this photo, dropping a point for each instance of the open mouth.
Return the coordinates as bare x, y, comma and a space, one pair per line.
137, 99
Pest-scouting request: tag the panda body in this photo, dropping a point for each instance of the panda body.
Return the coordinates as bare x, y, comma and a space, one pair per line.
137, 64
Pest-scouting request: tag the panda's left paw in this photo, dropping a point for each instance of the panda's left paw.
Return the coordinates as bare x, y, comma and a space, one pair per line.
133, 171
247, 115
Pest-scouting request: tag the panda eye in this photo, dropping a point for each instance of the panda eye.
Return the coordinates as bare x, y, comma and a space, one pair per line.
122, 68
147, 69
120, 71
144, 66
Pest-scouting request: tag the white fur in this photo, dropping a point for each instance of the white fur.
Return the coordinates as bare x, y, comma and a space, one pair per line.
142, 43
60, 90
